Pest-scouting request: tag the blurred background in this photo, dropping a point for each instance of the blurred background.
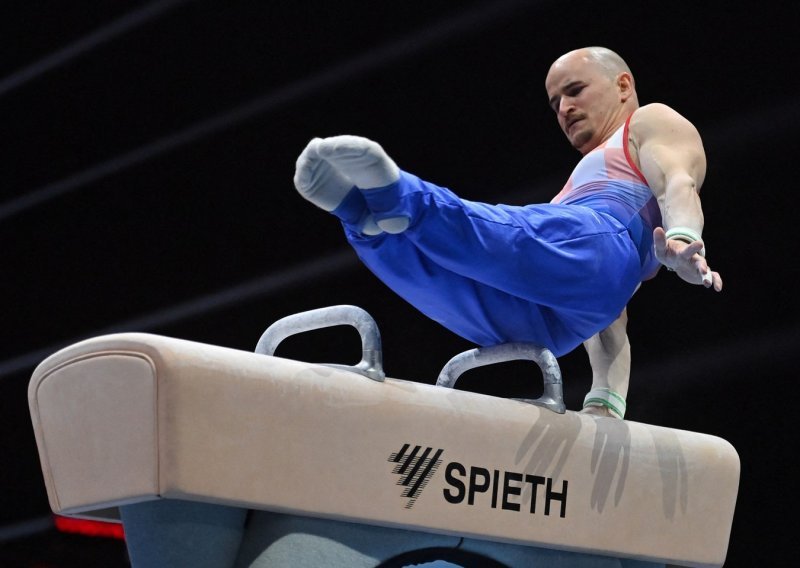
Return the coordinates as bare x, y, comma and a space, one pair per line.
147, 161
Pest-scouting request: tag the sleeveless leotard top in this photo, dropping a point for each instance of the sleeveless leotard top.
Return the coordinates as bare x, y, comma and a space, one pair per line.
608, 181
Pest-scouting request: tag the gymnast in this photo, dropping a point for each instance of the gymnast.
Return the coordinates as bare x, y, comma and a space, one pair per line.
557, 274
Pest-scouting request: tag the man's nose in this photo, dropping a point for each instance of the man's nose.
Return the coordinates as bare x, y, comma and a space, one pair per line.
565, 106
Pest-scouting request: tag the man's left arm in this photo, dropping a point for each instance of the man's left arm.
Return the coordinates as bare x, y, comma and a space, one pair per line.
610, 358
671, 157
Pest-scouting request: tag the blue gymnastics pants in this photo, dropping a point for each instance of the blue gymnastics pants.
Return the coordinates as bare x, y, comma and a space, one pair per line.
549, 274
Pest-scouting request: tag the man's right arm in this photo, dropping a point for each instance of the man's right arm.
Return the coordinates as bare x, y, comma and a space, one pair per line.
671, 157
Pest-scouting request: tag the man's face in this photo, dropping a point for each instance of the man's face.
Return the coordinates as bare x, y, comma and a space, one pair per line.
584, 98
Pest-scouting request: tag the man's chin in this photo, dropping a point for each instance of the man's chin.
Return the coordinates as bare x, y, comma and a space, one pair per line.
581, 142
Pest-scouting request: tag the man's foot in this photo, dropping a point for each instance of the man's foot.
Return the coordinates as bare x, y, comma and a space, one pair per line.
365, 163
327, 188
318, 181
328, 171
360, 160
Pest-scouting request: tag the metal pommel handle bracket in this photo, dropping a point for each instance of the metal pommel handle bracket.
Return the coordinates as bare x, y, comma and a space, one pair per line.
371, 364
552, 396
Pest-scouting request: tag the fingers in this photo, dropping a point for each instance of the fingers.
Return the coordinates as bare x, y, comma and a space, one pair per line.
685, 259
703, 271
660, 243
709, 278
716, 281
690, 250
712, 279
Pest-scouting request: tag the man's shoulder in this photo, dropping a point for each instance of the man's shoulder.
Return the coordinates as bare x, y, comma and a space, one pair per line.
655, 112
654, 118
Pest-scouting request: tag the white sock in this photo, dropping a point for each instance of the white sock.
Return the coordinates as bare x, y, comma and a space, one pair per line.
359, 159
318, 181
394, 225
365, 163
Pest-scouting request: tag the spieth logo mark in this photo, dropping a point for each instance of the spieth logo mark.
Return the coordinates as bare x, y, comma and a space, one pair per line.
415, 468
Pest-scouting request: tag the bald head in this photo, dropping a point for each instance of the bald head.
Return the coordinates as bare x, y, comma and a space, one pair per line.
610, 62
592, 92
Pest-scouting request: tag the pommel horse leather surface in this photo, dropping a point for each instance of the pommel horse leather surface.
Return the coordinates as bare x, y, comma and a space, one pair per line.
131, 417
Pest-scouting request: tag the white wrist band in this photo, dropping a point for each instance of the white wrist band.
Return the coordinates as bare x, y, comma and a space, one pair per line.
686, 235
612, 400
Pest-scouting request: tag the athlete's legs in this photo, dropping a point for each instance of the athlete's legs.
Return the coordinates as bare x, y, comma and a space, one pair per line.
550, 275
475, 311
553, 255
546, 254
553, 275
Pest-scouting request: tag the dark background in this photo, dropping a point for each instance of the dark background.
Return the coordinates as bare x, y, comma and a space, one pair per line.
146, 185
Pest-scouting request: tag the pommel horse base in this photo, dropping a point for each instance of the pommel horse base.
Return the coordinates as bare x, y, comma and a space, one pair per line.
132, 417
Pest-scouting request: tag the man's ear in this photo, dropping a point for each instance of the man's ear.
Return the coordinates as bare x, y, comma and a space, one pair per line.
625, 86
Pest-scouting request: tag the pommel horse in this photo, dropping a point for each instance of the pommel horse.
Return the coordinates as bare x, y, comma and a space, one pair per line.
128, 419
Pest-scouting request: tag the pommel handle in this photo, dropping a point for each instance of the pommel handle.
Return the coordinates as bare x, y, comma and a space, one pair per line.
371, 364
552, 396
